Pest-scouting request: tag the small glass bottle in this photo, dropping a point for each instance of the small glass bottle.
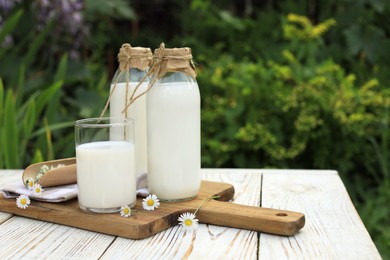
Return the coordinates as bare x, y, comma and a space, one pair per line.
133, 67
173, 123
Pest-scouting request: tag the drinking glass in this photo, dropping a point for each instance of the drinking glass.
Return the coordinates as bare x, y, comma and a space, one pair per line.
105, 155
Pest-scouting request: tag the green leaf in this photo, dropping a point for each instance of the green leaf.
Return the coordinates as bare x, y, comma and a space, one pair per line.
45, 97
20, 85
1, 99
53, 106
29, 119
27, 116
353, 39
230, 20
37, 156
367, 39
115, 9
10, 24
61, 71
50, 151
1, 122
35, 45
53, 109
10, 134
102, 83
52, 127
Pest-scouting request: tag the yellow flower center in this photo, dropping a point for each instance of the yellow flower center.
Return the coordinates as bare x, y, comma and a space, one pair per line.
38, 190
126, 211
150, 202
188, 222
23, 201
30, 184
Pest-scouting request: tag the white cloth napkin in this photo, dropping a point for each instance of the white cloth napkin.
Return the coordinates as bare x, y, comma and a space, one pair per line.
52, 194
61, 193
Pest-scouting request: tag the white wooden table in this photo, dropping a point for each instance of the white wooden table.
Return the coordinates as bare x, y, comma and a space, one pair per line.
333, 228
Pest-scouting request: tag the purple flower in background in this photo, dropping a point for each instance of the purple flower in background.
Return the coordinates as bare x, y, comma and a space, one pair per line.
69, 30
7, 5
5, 8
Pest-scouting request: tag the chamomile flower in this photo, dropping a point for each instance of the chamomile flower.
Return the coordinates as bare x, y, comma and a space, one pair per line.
150, 202
39, 176
44, 169
125, 211
30, 183
38, 189
188, 221
23, 201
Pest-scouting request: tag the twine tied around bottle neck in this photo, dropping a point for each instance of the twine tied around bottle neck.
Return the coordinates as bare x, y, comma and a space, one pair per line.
129, 57
165, 60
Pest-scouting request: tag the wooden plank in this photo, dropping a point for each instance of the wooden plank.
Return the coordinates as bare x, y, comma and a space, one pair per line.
27, 238
146, 223
333, 228
8, 176
22, 237
208, 241
4, 216
141, 225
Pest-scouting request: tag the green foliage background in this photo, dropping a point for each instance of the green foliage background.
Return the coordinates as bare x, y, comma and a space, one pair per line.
284, 84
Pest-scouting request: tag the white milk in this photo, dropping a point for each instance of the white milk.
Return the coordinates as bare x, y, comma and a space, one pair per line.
106, 174
173, 112
136, 111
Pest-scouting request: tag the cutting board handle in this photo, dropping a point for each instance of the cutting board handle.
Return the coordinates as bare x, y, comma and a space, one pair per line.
273, 221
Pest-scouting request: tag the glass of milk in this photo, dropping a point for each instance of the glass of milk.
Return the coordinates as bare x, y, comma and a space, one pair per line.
105, 164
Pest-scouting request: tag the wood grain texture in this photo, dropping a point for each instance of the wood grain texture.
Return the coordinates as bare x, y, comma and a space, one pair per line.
147, 223
141, 225
333, 228
208, 241
8, 176
23, 238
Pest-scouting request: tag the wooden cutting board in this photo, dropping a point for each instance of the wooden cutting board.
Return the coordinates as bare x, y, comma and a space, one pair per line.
147, 223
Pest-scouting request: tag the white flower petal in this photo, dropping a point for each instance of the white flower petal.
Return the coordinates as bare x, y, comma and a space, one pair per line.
125, 211
188, 221
150, 202
37, 189
30, 183
23, 201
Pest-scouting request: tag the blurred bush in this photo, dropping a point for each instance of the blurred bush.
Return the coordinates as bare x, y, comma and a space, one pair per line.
45, 82
302, 90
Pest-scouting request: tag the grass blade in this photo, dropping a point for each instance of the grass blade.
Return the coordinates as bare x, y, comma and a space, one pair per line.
45, 97
29, 119
10, 24
10, 134
52, 127
50, 151
20, 85
1, 99
62, 67
1, 122
35, 45
37, 156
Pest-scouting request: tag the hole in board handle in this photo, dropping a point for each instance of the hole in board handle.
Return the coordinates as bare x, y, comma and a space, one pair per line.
281, 214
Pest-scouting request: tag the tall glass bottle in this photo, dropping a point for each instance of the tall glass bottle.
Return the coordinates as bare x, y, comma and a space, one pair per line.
173, 123
133, 67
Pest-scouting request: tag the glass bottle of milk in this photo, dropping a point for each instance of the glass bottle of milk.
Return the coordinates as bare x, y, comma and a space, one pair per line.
173, 123
133, 67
